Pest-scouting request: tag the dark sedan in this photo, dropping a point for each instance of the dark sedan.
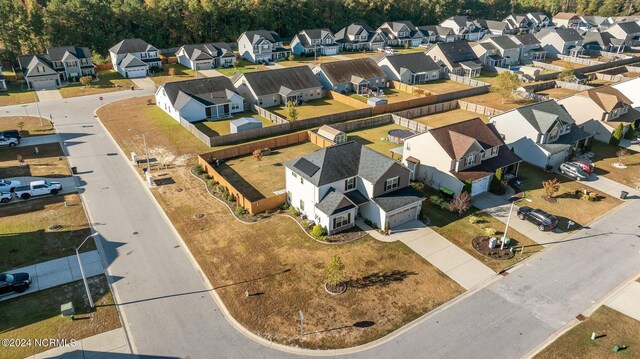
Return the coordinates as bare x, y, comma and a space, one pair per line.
14, 282
542, 219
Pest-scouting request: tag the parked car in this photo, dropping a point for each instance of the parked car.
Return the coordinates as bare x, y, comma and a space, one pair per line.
9, 141
588, 167
37, 188
11, 134
5, 197
542, 219
14, 282
573, 170
8, 186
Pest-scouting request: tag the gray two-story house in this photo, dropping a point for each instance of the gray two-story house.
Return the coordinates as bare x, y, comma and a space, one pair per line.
68, 62
278, 87
38, 72
206, 56
412, 69
530, 48
262, 46
401, 33
315, 41
501, 52
360, 36
358, 76
542, 134
134, 58
561, 41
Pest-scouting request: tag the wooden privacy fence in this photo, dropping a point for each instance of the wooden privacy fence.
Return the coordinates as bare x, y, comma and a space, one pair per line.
318, 140
363, 123
347, 100
195, 131
248, 148
572, 86
102, 67
428, 110
579, 60
483, 110
466, 80
410, 124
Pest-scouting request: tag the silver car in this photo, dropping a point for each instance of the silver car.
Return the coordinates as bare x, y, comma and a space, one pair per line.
573, 170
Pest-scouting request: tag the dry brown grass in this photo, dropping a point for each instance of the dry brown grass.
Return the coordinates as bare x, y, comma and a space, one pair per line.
267, 175
617, 328
37, 316
449, 117
284, 269
557, 92
31, 127
376, 138
314, 108
25, 237
606, 157
494, 100
443, 86
49, 162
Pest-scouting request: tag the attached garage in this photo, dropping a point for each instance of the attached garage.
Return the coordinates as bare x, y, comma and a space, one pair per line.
136, 72
480, 185
403, 216
556, 159
43, 83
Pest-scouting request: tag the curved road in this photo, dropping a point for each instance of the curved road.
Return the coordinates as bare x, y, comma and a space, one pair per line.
169, 311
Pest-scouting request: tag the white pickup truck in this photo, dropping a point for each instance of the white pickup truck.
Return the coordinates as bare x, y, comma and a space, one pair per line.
37, 188
8, 186
5, 197
9, 141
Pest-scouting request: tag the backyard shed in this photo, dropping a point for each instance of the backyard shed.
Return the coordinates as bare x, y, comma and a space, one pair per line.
244, 124
377, 101
332, 134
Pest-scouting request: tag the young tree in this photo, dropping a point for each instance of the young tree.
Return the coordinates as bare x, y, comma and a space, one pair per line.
335, 271
622, 154
172, 71
566, 74
86, 81
293, 111
617, 135
460, 203
257, 154
551, 187
292, 57
506, 83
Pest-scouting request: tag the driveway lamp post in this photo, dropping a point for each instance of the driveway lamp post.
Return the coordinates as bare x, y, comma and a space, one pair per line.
84, 278
25, 109
146, 152
504, 236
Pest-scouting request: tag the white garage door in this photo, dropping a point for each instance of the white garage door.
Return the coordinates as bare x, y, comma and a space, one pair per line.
136, 72
405, 216
40, 84
332, 51
557, 158
480, 186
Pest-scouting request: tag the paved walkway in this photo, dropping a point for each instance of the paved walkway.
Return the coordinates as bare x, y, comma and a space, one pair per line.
275, 65
49, 95
627, 144
437, 250
144, 83
610, 187
111, 344
58, 271
341, 57
211, 73
38, 140
627, 301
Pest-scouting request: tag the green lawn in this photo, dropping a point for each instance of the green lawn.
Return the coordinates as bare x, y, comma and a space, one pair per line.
243, 66
606, 157
109, 81
395, 95
37, 316
376, 138
15, 95
181, 73
461, 231
221, 127
613, 327
487, 76
308, 60
314, 108
567, 207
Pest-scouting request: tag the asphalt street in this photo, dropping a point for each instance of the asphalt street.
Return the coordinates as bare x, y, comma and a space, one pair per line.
169, 312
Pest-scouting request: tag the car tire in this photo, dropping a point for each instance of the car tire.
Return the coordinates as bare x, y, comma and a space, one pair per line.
54, 191
578, 178
21, 289
541, 228
563, 172
5, 200
521, 216
12, 144
25, 196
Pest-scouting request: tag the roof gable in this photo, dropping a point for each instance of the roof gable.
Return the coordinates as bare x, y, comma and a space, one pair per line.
131, 46
463, 132
339, 72
270, 82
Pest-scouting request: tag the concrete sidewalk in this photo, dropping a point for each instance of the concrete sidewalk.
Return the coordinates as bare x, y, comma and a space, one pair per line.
211, 73
38, 140
49, 95
58, 271
437, 250
111, 344
144, 83
627, 301
610, 187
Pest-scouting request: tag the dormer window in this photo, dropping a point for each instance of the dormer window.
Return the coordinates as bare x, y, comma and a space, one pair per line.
350, 184
391, 183
494, 151
470, 160
555, 132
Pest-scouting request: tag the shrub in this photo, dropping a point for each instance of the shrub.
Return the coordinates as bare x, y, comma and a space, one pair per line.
211, 183
460, 203
439, 201
551, 186
490, 231
473, 219
198, 169
318, 231
617, 135
293, 211
467, 186
239, 210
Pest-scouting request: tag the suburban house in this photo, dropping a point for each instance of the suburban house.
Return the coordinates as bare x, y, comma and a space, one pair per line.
602, 41
519, 23
569, 20
464, 154
412, 69
200, 100
351, 76
561, 41
492, 27
628, 31
261, 46
278, 87
334, 185
359, 36
457, 58
530, 48
497, 51
38, 72
600, 110
206, 56
3, 82
401, 33
463, 28
629, 89
134, 58
433, 33
538, 20
598, 22
320, 41
542, 134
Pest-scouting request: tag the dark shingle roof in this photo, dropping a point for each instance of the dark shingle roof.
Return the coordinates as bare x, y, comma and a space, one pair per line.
270, 82
211, 90
255, 36
491, 24
131, 45
542, 115
354, 29
339, 72
131, 61
57, 53
398, 199
526, 39
437, 29
204, 51
503, 42
603, 39
629, 27
565, 34
415, 62
343, 161
334, 202
456, 52
30, 63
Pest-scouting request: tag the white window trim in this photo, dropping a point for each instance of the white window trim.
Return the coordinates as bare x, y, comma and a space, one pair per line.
392, 183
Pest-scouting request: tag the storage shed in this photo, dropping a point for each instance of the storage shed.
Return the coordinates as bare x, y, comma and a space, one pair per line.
377, 101
332, 134
244, 124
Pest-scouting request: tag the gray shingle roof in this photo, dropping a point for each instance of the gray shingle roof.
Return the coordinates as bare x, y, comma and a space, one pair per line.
270, 82
542, 115
131, 45
415, 62
255, 36
456, 52
334, 202
603, 39
565, 34
437, 29
339, 72
131, 61
30, 64
211, 90
629, 27
209, 50
503, 42
306, 37
354, 29
58, 53
398, 199
491, 24
526, 39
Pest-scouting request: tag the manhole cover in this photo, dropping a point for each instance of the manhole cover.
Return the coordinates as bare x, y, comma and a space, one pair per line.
198, 215
135, 233
180, 190
55, 227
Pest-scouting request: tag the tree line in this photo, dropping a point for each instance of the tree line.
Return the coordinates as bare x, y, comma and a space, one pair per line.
30, 26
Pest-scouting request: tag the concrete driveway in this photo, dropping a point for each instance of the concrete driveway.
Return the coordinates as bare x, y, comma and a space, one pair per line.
210, 73
38, 140
69, 185
58, 272
627, 301
144, 83
49, 95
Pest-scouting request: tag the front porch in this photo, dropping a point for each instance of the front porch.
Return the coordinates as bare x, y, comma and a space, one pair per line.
419, 78
471, 69
217, 111
575, 51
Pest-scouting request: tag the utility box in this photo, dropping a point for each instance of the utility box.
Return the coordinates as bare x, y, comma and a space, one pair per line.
134, 158
67, 309
493, 242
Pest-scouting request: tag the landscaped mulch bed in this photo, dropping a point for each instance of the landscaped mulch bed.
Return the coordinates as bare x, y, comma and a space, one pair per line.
481, 244
349, 235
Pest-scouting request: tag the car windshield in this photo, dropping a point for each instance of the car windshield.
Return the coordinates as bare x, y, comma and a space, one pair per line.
4, 182
8, 278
